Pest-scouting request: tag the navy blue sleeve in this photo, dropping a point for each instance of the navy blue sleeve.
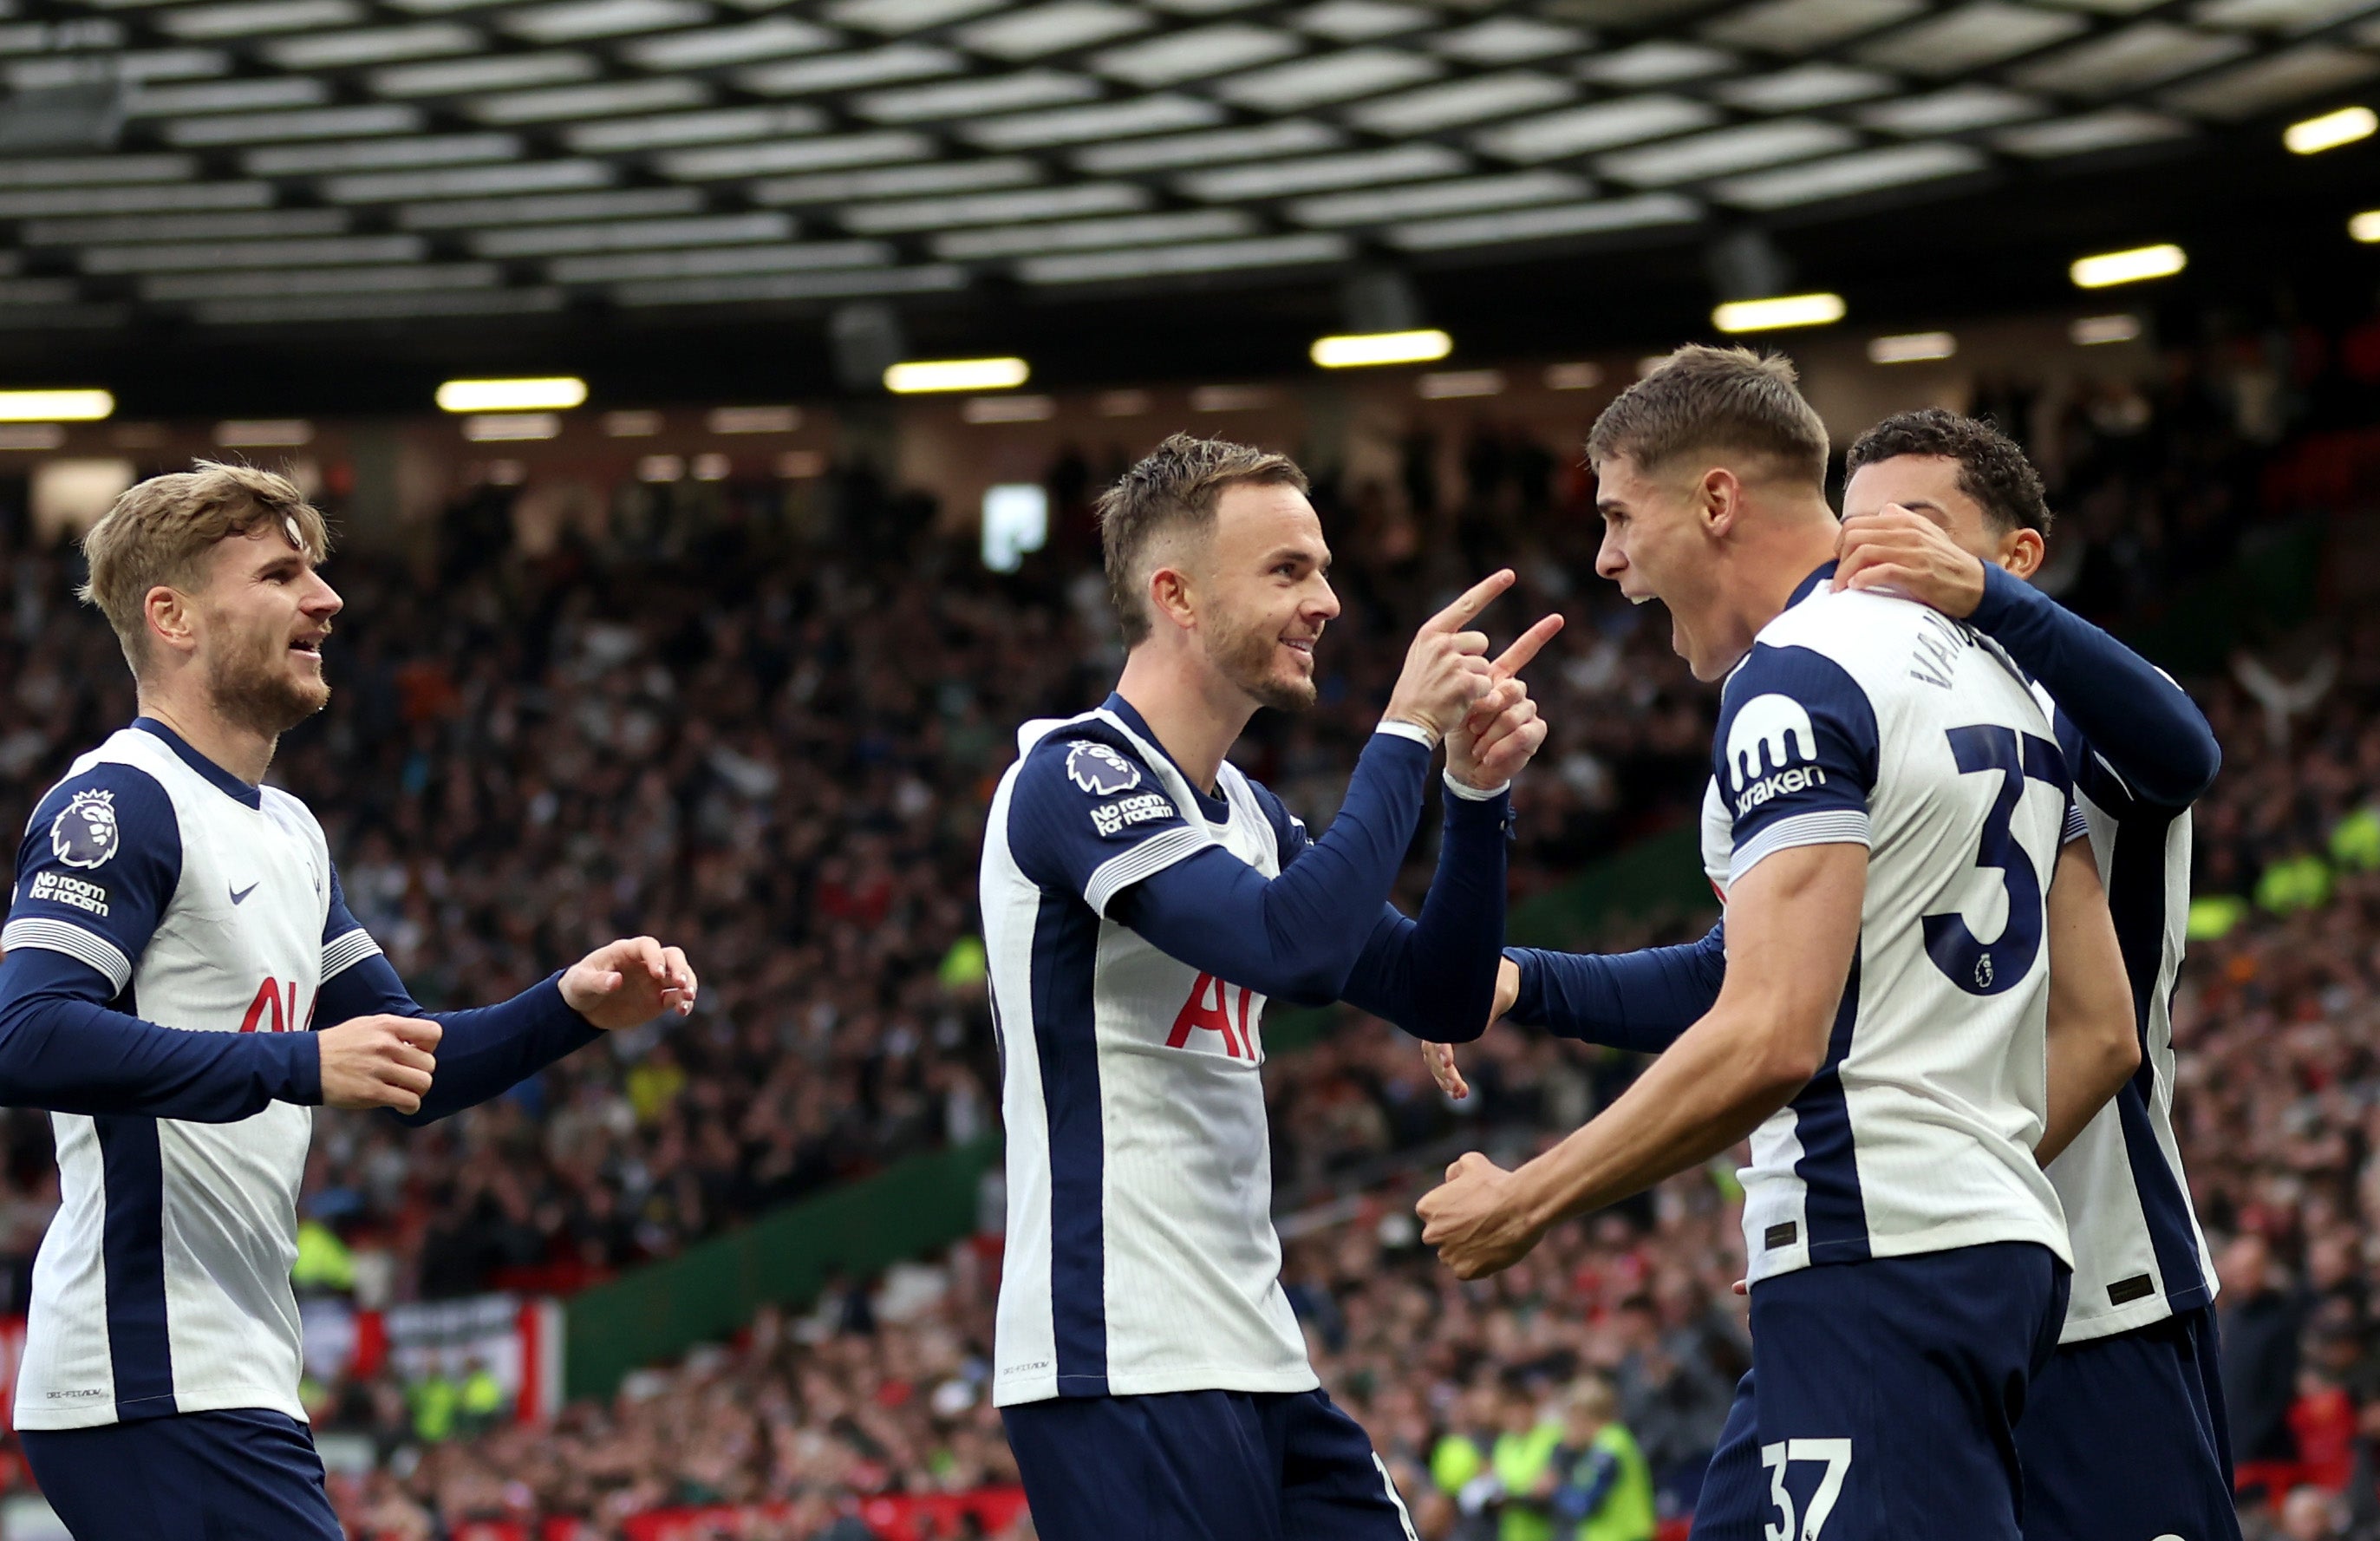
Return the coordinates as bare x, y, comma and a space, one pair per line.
1589, 1483
61, 1048
1296, 937
2141, 726
1436, 976
1796, 755
1087, 816
483, 1053
98, 866
1638, 1000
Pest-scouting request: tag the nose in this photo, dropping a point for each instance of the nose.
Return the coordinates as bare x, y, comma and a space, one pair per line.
324, 602
1610, 560
1323, 604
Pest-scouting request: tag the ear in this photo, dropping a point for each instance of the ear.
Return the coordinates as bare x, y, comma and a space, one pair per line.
2022, 552
1173, 598
172, 624
1719, 498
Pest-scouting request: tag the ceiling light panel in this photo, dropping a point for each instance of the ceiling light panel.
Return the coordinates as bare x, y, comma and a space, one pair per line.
131, 67
1196, 54
1165, 262
323, 281
1290, 137
1466, 195
498, 72
1093, 233
1037, 30
226, 96
1460, 103
1953, 110
426, 150
2313, 69
713, 47
2115, 128
480, 212
69, 202
931, 279
90, 170
938, 213
2276, 15
578, 21
185, 227
374, 45
938, 176
1407, 162
1850, 175
1202, 7
1340, 77
1726, 150
676, 131
555, 104
338, 308
814, 256
1983, 33
1807, 86
1602, 126
1358, 20
257, 17
826, 153
563, 240
896, 16
536, 177
2140, 56
1566, 221
1656, 63
997, 93
302, 124
1806, 26
183, 255
1502, 39
1159, 112
878, 66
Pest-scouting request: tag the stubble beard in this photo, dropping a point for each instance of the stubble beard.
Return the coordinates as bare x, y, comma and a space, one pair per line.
1246, 659
258, 694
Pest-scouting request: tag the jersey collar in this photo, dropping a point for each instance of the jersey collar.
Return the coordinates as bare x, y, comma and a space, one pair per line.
1216, 809
221, 780
1809, 585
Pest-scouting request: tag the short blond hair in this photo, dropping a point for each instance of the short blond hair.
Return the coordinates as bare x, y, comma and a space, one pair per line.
1714, 400
160, 529
1176, 486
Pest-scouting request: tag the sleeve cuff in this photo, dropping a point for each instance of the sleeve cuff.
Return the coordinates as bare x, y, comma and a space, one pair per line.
1528, 1008
302, 1073
2003, 592
1823, 827
1142, 862
59, 936
1398, 728
1473, 794
2077, 825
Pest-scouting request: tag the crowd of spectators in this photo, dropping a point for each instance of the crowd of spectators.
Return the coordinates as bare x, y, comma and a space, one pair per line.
765, 724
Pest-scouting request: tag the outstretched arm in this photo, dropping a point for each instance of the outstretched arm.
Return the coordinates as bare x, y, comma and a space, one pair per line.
1638, 1000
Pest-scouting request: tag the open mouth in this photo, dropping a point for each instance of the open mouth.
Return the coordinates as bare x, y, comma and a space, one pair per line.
1301, 646
308, 647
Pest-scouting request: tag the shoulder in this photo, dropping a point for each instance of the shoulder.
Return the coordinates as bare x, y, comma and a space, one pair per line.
1088, 756
103, 808
1288, 830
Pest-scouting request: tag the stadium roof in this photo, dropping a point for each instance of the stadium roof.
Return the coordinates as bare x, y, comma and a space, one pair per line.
252, 172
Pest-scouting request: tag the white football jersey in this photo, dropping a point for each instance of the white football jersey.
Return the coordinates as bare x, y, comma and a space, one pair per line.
1141, 1255
1868, 720
162, 1285
2139, 1254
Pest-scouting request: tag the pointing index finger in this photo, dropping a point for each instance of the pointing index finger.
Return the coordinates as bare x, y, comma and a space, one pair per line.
1516, 657
1454, 617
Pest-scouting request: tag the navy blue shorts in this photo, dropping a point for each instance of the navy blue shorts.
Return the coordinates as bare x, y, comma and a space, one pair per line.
2125, 1437
194, 1477
1884, 1398
1202, 1466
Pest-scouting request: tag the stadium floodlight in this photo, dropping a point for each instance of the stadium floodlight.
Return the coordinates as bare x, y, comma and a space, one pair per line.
2366, 226
545, 393
2131, 266
2315, 135
1911, 348
55, 407
918, 376
1363, 349
1777, 313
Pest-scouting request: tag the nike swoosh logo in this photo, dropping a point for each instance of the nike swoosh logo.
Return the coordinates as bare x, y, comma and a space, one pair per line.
239, 895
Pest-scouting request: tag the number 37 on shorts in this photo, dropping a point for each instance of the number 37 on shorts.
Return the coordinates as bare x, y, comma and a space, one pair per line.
1824, 1464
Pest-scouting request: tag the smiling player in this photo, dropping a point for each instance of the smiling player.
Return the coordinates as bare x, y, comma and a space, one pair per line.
177, 929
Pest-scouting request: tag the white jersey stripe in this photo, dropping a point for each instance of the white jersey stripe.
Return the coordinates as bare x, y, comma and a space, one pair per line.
57, 936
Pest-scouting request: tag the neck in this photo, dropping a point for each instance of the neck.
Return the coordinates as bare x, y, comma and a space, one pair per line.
242, 751
1775, 552
1195, 717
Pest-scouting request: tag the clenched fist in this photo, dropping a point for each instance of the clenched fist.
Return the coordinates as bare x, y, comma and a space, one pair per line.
628, 983
378, 1061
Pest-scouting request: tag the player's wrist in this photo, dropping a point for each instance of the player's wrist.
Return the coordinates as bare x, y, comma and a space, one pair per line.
1405, 725
1470, 791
